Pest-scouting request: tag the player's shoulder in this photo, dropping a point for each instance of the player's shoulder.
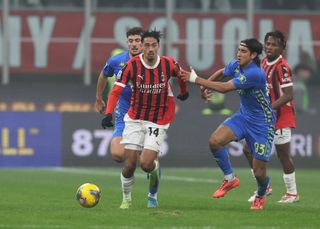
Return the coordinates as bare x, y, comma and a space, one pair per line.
168, 58
254, 70
119, 58
283, 62
233, 64
134, 59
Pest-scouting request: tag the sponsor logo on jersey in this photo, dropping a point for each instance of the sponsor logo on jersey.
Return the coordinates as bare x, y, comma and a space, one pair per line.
242, 79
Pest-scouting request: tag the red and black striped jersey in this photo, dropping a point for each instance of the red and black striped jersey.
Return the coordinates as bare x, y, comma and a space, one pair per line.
279, 76
152, 97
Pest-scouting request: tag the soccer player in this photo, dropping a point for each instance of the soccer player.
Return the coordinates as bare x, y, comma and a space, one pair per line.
151, 111
253, 122
281, 95
111, 68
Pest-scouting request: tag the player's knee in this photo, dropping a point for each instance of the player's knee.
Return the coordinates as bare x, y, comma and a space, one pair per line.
147, 166
215, 143
129, 168
128, 171
117, 157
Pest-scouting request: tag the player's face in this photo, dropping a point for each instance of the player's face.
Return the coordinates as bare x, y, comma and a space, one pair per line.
150, 48
273, 48
244, 56
134, 44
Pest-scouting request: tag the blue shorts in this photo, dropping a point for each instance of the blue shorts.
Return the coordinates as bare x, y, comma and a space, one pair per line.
119, 114
259, 136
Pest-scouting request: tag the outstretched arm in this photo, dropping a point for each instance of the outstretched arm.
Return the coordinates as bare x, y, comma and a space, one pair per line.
218, 75
222, 87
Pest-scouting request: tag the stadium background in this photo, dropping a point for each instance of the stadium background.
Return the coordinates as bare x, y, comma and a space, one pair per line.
51, 53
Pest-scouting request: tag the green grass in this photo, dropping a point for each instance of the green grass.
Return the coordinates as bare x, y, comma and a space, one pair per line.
45, 198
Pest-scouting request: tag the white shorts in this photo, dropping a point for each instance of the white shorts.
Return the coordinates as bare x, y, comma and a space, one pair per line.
139, 134
282, 136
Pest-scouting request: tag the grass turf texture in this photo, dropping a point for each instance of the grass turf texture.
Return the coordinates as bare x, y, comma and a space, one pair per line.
45, 198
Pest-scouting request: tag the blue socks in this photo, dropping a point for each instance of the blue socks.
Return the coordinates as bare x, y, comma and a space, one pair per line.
262, 186
222, 158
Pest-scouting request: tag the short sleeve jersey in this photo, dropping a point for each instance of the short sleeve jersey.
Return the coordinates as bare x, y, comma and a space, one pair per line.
152, 97
279, 76
113, 65
251, 85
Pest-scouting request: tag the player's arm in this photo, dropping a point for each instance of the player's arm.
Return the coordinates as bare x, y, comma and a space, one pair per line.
123, 77
101, 85
112, 103
107, 71
286, 86
287, 96
184, 94
217, 76
222, 87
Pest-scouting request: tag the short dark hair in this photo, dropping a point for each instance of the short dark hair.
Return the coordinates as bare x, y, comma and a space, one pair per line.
135, 31
254, 46
152, 33
279, 35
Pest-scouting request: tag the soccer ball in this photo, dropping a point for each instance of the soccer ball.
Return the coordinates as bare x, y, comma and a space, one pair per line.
88, 195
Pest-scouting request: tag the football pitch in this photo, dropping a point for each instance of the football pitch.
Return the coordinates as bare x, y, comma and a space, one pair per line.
45, 198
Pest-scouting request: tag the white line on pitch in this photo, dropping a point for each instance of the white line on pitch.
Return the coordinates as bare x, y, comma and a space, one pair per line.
138, 175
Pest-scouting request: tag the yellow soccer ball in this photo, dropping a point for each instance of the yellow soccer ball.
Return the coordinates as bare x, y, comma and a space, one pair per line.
88, 195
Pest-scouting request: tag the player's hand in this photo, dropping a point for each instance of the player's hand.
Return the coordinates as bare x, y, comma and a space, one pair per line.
188, 76
100, 106
183, 97
205, 93
107, 121
185, 75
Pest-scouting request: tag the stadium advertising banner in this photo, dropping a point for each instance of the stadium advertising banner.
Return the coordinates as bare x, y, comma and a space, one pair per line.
205, 41
31, 139
86, 144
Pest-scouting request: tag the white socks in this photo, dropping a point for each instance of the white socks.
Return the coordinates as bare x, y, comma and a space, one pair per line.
154, 173
229, 177
126, 185
290, 183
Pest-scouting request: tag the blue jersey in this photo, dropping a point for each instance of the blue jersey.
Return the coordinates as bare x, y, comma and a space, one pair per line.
251, 85
113, 65
255, 120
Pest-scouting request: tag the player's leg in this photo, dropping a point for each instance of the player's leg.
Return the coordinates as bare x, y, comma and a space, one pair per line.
149, 160
249, 156
127, 176
282, 143
260, 172
260, 140
117, 149
150, 164
133, 136
225, 133
222, 136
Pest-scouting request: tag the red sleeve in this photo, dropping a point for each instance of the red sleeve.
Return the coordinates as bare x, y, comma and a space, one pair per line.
113, 98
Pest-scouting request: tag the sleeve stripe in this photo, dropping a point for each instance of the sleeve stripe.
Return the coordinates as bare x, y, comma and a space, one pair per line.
286, 85
120, 84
